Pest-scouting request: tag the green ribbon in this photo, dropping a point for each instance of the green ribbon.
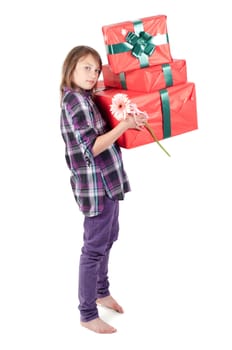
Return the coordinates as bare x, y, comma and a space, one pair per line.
166, 115
167, 74
139, 43
123, 80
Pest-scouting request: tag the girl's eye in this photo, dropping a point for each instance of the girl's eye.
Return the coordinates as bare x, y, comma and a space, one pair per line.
88, 68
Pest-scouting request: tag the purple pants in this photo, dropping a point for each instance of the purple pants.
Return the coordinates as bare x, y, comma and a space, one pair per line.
99, 234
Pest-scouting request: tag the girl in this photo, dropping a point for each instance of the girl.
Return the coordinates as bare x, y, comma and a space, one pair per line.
98, 178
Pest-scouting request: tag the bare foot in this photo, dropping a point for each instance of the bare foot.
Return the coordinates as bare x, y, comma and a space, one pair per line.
99, 326
111, 303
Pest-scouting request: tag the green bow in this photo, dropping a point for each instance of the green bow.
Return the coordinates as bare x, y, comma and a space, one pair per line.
140, 44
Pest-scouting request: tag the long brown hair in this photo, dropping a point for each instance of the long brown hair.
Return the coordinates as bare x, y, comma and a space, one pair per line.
70, 63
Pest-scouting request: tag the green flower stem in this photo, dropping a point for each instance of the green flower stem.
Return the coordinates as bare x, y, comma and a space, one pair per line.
155, 138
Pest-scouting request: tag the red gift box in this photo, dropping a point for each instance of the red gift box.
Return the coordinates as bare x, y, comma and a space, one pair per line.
137, 44
147, 79
171, 112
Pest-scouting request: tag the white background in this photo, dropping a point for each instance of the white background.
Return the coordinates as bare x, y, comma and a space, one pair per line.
171, 267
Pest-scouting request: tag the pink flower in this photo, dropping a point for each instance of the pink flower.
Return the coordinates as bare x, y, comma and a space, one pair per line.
121, 106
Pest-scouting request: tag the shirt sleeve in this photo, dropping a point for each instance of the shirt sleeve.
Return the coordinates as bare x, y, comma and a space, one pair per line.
81, 122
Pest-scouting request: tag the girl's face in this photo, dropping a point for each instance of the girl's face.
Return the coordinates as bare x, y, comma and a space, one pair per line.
86, 72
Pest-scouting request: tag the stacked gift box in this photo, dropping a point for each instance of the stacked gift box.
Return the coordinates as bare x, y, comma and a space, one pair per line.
141, 66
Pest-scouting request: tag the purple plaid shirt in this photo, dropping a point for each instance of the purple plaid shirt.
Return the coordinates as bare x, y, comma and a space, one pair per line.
92, 178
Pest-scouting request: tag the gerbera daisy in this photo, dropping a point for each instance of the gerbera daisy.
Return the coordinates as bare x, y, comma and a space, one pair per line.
120, 106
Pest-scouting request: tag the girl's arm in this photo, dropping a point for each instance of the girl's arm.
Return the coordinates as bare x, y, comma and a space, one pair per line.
102, 142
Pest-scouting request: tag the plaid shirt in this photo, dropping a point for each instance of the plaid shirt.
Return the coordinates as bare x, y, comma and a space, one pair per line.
91, 177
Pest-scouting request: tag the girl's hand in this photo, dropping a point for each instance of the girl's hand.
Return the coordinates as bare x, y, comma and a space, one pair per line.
140, 120
136, 121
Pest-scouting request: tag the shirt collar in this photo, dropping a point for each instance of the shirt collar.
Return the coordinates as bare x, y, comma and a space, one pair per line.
86, 93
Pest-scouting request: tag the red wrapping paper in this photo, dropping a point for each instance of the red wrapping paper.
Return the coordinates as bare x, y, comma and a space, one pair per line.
147, 79
183, 112
156, 26
100, 85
